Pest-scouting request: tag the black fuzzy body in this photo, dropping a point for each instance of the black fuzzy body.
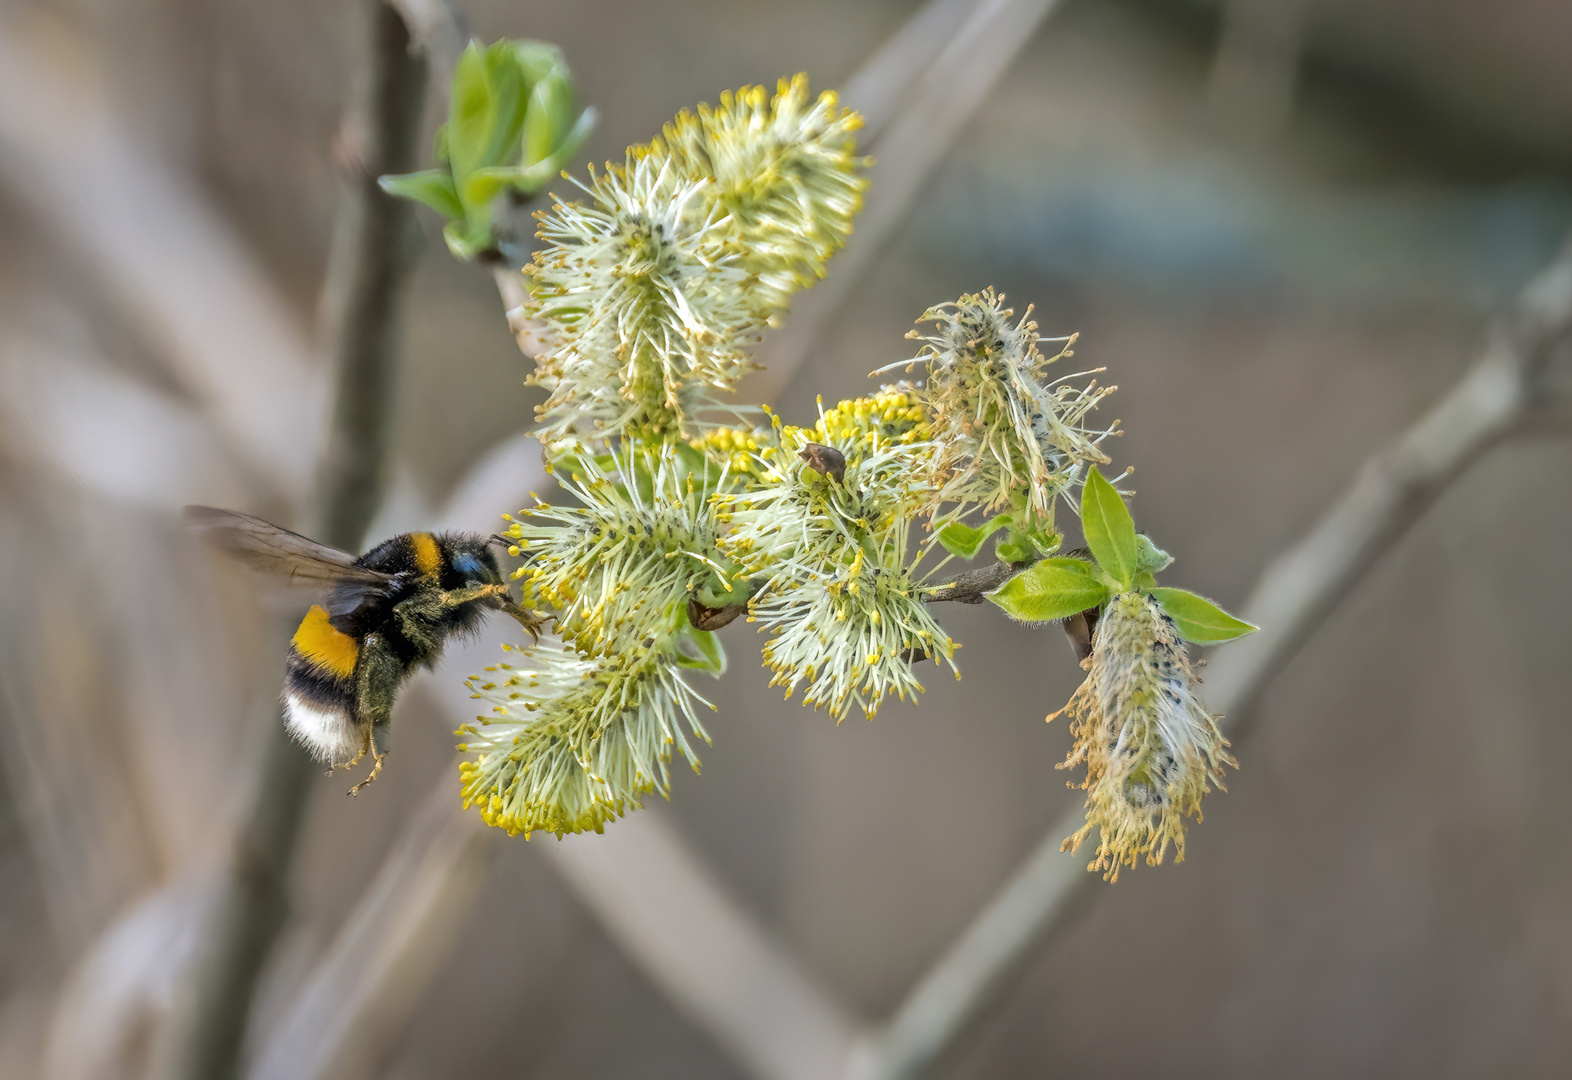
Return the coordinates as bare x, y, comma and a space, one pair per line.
426, 597
412, 619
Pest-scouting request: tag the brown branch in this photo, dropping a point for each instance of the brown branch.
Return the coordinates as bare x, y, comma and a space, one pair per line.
1292, 597
970, 586
378, 238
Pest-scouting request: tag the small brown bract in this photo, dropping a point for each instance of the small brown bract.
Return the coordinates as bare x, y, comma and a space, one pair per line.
825, 460
704, 617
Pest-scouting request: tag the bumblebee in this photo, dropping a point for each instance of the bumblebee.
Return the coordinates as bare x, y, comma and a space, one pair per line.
381, 616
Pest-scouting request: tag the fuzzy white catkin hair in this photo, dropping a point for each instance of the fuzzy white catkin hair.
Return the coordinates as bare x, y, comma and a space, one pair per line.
1150, 748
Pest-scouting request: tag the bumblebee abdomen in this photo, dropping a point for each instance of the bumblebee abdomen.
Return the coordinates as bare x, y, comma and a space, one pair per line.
319, 689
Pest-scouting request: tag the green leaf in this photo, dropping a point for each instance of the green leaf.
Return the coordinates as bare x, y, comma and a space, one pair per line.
535, 59
1051, 589
511, 105
548, 117
471, 113
1045, 540
510, 98
569, 144
1014, 547
434, 187
467, 239
1198, 619
1109, 529
701, 650
484, 185
533, 178
959, 538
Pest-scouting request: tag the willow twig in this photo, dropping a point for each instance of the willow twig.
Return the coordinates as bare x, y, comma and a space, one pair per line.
1291, 598
970, 585
439, 32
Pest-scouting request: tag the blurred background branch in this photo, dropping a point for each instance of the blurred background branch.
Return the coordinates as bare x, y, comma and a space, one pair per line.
227, 408
150, 242
367, 280
1253, 76
356, 999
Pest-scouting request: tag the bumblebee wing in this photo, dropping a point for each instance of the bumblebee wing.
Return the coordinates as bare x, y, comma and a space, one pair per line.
271, 550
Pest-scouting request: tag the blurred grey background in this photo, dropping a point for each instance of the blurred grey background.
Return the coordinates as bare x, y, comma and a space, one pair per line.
1281, 225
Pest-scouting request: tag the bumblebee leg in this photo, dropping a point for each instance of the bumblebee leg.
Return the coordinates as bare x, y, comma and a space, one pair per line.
377, 739
376, 769
365, 744
377, 677
470, 593
504, 600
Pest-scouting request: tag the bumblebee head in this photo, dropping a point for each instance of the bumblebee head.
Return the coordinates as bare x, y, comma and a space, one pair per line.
471, 561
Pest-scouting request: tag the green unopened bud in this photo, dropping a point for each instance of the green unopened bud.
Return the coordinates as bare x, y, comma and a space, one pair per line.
1149, 558
510, 128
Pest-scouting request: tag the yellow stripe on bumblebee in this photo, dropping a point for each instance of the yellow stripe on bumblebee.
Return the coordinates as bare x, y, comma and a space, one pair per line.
324, 645
427, 556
